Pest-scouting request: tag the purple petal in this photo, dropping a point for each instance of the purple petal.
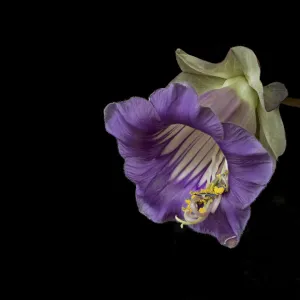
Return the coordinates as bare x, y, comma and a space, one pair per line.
133, 123
237, 218
179, 104
227, 222
250, 165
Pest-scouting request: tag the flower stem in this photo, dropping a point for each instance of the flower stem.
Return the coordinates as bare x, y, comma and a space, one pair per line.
291, 102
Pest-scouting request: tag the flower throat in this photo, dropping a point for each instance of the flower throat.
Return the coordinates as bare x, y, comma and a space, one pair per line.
204, 201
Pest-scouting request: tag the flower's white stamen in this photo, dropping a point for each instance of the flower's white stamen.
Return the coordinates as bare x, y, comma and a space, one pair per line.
216, 204
200, 219
205, 201
219, 159
224, 178
191, 218
194, 208
225, 167
213, 163
216, 160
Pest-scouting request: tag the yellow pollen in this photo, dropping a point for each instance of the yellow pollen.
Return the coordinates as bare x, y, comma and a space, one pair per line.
204, 196
188, 208
218, 190
202, 210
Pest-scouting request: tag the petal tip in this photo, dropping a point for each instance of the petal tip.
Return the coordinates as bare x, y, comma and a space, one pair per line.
231, 242
179, 51
108, 111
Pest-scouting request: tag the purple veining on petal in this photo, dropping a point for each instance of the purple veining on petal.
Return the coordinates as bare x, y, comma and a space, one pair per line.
250, 166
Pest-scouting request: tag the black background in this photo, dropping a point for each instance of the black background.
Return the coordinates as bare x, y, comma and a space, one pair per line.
153, 256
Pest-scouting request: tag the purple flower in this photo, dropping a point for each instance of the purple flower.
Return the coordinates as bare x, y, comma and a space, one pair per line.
179, 150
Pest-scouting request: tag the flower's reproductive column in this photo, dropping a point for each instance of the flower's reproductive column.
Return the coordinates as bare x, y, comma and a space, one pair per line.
204, 201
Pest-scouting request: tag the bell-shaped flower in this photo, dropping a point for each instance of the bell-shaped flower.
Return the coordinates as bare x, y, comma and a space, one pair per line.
188, 158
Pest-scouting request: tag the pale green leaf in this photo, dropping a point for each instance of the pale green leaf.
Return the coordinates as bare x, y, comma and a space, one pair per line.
201, 83
271, 133
239, 61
